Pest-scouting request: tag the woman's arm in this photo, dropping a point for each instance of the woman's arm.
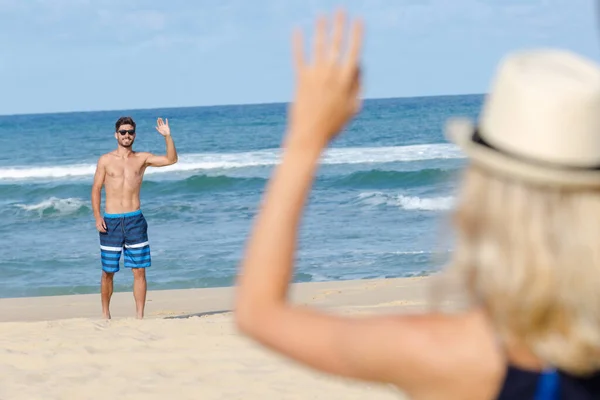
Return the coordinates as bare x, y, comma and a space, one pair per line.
365, 348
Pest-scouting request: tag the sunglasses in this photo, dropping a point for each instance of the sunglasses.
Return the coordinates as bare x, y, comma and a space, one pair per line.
123, 132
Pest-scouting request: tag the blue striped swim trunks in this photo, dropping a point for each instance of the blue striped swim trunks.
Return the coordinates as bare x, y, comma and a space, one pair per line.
128, 234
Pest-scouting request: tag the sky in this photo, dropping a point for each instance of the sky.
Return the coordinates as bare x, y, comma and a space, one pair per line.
86, 55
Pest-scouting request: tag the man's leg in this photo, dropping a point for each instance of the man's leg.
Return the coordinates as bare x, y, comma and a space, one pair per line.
111, 246
137, 256
106, 289
139, 290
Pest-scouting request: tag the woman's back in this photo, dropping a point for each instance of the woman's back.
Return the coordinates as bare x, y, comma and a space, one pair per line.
551, 385
464, 360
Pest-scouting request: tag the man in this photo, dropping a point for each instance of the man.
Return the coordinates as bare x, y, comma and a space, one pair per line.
123, 228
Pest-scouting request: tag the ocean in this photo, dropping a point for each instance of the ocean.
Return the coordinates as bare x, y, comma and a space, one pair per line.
377, 208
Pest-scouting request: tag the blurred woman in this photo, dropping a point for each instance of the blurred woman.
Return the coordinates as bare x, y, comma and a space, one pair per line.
527, 230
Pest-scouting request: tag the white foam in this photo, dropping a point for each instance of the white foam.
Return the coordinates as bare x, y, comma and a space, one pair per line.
18, 173
427, 204
407, 202
62, 206
376, 155
210, 161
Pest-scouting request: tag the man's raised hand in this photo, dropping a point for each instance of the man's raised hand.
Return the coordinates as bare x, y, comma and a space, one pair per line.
163, 127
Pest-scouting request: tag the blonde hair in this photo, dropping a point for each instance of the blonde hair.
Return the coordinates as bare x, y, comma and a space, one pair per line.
530, 256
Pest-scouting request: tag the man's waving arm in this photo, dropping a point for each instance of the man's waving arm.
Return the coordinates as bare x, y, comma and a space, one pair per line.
171, 156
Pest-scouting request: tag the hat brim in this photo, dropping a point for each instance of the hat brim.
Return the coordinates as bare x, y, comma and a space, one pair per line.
460, 132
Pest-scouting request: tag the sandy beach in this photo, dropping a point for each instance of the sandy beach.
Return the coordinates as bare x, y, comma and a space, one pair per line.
187, 348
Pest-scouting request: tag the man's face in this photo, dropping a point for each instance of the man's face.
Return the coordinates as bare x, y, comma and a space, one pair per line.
125, 135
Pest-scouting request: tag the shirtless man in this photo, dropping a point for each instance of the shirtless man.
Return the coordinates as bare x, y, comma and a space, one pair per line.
123, 228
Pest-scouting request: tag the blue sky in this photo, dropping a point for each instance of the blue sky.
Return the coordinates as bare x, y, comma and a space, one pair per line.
80, 55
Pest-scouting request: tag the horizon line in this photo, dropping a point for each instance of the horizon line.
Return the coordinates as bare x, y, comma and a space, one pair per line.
24, 114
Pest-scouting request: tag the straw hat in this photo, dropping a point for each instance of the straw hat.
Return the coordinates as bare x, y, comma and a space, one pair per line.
540, 122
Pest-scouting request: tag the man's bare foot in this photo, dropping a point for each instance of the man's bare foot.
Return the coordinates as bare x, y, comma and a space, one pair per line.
106, 316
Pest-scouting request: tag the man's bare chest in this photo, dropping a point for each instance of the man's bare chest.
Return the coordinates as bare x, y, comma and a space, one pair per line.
130, 169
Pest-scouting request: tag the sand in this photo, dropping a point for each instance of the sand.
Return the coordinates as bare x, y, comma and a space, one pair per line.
187, 347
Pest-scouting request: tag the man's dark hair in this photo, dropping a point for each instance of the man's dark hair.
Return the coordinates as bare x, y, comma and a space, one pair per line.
124, 121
